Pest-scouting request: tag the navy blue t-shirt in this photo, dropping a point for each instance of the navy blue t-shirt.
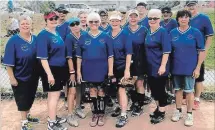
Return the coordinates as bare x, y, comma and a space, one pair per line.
185, 47
157, 44
63, 30
138, 57
107, 29
122, 46
170, 25
21, 55
51, 47
144, 22
94, 51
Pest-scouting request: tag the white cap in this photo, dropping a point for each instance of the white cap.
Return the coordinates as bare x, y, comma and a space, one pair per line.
115, 16
133, 11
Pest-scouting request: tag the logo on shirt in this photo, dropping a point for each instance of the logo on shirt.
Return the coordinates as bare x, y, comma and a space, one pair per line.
102, 41
190, 36
54, 40
24, 47
87, 42
175, 38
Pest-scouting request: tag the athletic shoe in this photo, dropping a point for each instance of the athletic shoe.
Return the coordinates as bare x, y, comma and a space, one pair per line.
101, 120
196, 105
55, 126
94, 120
32, 119
189, 120
122, 121
154, 113
176, 116
116, 112
27, 126
147, 100
137, 111
60, 120
157, 118
72, 120
80, 113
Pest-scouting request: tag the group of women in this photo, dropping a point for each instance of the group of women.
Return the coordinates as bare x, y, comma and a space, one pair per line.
88, 49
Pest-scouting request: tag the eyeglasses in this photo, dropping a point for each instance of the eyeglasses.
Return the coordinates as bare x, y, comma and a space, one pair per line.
123, 12
153, 18
91, 22
74, 23
103, 15
54, 18
63, 11
165, 12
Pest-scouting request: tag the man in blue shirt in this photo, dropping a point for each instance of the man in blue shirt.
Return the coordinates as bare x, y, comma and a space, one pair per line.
203, 23
141, 7
105, 27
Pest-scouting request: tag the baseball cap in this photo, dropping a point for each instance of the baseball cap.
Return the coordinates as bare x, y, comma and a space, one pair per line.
73, 19
115, 16
102, 11
133, 11
142, 4
122, 9
61, 8
166, 9
191, 2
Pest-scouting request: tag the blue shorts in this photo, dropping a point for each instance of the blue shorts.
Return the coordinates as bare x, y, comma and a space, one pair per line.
185, 83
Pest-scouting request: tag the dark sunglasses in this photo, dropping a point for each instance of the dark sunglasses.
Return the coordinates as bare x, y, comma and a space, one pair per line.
54, 18
153, 18
123, 12
74, 23
63, 11
165, 12
91, 22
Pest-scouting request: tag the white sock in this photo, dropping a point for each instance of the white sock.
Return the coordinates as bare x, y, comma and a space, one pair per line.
123, 114
197, 99
23, 122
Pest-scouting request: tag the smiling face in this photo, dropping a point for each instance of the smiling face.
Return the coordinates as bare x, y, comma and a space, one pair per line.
141, 10
94, 24
62, 14
75, 27
25, 26
154, 20
104, 17
166, 15
83, 18
133, 19
115, 23
184, 20
52, 22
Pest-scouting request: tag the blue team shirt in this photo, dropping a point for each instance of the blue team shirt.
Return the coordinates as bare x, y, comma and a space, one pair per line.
63, 30
107, 29
203, 23
51, 47
170, 25
21, 55
144, 22
138, 57
185, 47
157, 44
94, 51
122, 46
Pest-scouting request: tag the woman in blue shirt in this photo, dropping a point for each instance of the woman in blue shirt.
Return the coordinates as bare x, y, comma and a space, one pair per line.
188, 53
51, 52
157, 47
94, 63
21, 62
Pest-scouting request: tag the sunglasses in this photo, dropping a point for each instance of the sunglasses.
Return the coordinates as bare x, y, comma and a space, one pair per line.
153, 18
54, 18
63, 11
165, 12
91, 22
123, 12
74, 23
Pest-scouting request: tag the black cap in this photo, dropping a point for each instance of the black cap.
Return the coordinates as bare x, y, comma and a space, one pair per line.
188, 2
102, 11
166, 9
61, 8
142, 4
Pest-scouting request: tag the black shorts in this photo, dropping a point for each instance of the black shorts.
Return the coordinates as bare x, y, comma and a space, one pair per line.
24, 93
96, 85
202, 74
60, 76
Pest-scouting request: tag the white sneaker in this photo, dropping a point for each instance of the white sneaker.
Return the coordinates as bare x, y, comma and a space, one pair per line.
80, 113
72, 120
176, 116
189, 120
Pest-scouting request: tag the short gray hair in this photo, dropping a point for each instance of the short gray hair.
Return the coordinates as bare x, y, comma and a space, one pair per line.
155, 12
81, 12
93, 16
25, 17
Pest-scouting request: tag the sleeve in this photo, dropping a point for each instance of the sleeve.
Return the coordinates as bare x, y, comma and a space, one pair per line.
165, 42
10, 53
79, 47
208, 29
109, 44
69, 45
42, 47
199, 41
128, 45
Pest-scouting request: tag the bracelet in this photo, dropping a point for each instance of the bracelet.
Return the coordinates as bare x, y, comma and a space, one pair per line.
72, 72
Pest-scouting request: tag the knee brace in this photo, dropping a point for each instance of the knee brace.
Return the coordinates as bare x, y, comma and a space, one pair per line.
101, 104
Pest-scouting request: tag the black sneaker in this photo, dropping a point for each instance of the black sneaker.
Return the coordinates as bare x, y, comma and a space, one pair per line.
147, 100
27, 126
116, 112
170, 99
132, 107
60, 120
122, 121
137, 111
55, 126
32, 119
158, 118
154, 113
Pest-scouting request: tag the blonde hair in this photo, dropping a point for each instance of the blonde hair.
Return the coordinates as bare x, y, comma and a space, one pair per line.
155, 12
80, 13
93, 16
25, 17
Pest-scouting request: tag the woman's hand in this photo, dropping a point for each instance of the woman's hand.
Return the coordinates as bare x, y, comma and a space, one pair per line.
162, 70
13, 81
51, 80
196, 73
79, 77
72, 80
